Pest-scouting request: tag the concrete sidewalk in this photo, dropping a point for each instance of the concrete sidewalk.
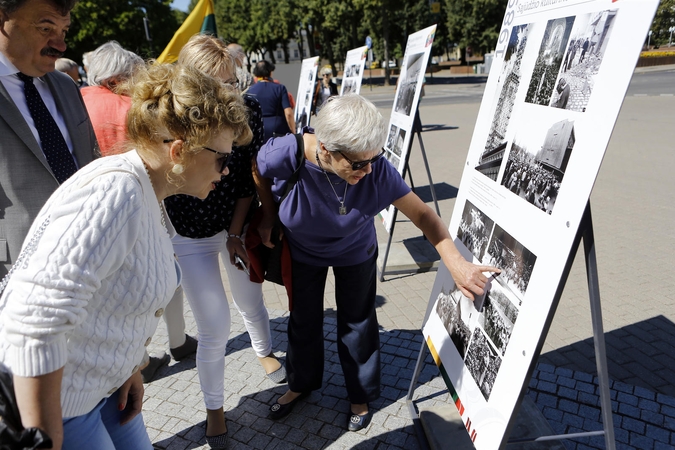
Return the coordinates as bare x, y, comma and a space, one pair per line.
633, 223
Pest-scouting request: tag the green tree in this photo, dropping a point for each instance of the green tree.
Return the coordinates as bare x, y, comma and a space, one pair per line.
663, 22
97, 22
249, 23
474, 23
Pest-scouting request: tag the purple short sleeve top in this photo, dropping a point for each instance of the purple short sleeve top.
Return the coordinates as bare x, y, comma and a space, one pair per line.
315, 230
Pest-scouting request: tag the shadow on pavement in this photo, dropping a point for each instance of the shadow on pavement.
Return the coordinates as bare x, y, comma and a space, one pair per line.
444, 191
641, 354
437, 127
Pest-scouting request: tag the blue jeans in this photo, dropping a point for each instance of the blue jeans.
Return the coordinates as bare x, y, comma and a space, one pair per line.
101, 429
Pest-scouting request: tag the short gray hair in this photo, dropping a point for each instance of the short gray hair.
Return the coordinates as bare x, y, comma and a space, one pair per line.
111, 62
350, 124
65, 64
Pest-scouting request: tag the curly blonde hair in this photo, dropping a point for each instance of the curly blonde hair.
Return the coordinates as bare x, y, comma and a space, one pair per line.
179, 102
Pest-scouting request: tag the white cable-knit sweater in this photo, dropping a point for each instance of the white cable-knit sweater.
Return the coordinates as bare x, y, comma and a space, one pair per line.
90, 295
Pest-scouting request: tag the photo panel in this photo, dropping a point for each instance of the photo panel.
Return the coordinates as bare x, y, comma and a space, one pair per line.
353, 73
589, 38
559, 76
515, 261
404, 109
549, 60
474, 230
509, 81
303, 99
538, 160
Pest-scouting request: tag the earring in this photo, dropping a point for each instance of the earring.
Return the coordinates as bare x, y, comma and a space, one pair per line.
178, 169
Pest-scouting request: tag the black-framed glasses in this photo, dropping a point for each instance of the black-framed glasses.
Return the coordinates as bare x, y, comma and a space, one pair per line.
224, 159
358, 165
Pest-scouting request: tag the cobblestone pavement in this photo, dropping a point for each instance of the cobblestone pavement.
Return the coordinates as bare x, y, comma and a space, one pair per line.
633, 223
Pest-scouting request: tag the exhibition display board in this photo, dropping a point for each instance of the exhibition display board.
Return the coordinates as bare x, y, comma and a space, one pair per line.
303, 100
406, 100
355, 63
560, 73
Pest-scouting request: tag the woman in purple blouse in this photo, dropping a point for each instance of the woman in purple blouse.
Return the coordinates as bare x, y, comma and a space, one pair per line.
327, 218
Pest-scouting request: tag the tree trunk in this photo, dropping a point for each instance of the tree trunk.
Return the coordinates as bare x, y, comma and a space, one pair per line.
311, 51
301, 42
248, 60
286, 58
385, 39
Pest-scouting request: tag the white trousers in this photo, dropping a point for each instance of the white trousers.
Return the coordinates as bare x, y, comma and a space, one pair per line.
204, 289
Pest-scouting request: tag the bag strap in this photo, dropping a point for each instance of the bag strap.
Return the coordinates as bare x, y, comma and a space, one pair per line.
300, 158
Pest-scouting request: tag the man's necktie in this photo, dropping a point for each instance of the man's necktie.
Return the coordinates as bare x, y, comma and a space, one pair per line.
53, 144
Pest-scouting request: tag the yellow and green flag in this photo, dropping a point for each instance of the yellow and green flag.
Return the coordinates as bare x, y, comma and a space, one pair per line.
201, 20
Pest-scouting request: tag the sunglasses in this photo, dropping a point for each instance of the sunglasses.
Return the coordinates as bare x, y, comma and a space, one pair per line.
358, 165
223, 160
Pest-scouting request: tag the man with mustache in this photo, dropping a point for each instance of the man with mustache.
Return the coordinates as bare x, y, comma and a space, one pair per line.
45, 132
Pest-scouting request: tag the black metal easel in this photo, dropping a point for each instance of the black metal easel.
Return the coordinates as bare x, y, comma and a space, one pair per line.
585, 233
416, 130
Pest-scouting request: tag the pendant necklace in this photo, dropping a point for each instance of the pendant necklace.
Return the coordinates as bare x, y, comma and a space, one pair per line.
343, 209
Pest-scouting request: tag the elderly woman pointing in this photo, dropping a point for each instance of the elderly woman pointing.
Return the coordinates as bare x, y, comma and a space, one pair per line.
327, 218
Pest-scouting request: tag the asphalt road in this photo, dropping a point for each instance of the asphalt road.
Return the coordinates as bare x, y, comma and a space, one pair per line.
470, 89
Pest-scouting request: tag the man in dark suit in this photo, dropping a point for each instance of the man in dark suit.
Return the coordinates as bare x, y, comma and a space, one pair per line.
45, 132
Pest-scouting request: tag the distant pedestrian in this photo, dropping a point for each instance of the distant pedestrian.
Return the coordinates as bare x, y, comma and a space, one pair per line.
70, 68
564, 94
273, 97
584, 49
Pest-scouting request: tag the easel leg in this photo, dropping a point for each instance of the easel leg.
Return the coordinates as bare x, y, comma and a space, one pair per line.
419, 431
386, 250
598, 331
417, 128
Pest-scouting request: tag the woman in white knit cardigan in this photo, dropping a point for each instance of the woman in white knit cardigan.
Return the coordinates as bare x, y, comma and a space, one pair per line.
97, 267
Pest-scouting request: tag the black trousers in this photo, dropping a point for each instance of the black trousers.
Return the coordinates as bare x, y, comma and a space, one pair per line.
358, 335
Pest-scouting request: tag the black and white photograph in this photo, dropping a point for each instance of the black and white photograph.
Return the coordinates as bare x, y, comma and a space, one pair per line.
407, 83
549, 61
392, 136
449, 310
508, 83
483, 362
353, 70
348, 86
590, 36
392, 158
537, 162
516, 261
474, 230
395, 140
498, 316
